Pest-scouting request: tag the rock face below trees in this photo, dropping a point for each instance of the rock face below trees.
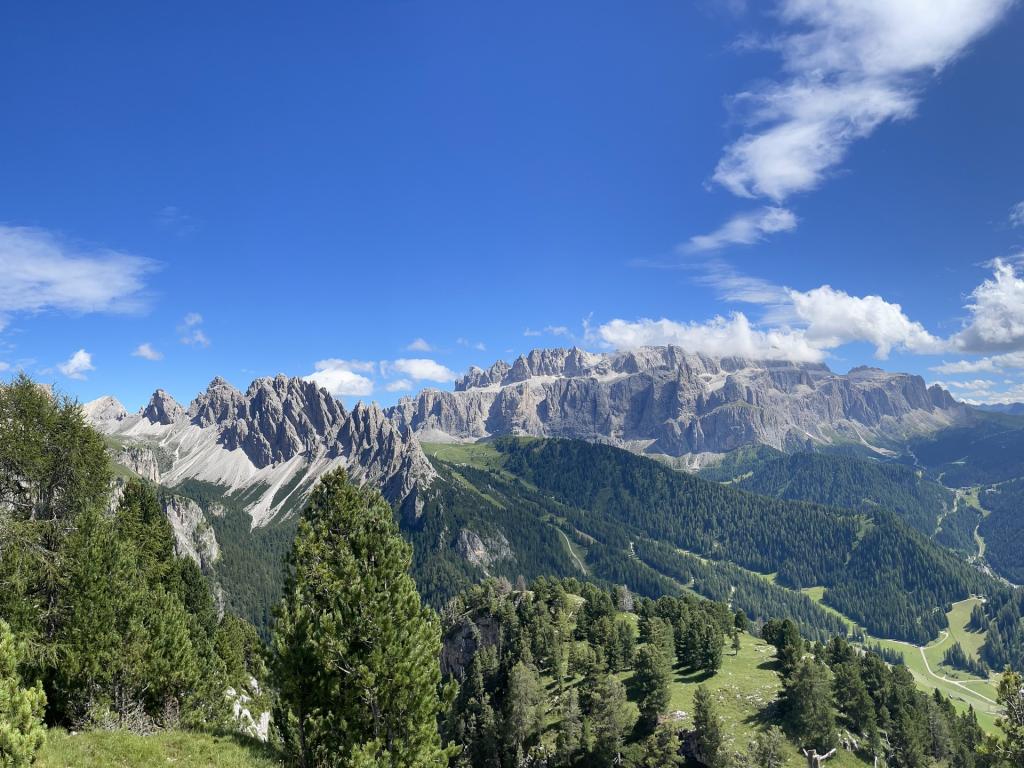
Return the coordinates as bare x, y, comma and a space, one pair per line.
193, 535
664, 400
267, 445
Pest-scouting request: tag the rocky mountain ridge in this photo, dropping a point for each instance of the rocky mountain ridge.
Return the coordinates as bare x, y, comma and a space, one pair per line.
269, 444
665, 400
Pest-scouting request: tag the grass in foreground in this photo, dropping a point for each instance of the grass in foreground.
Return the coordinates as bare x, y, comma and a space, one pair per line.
118, 749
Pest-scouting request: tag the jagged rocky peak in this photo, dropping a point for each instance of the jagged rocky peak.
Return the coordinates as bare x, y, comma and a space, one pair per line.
104, 409
163, 409
220, 403
538, 362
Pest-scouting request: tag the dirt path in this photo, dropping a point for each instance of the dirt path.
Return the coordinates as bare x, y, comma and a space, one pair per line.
957, 683
579, 563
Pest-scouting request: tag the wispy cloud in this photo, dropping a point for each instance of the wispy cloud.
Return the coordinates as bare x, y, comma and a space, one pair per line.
191, 331
42, 272
175, 220
848, 66
399, 385
146, 352
479, 346
419, 345
744, 229
1017, 215
76, 366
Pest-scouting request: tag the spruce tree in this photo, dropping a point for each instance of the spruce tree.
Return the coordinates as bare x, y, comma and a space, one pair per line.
354, 653
807, 703
653, 674
524, 708
22, 732
708, 728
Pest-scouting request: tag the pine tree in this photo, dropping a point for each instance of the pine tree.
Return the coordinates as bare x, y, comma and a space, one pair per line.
570, 729
22, 732
355, 655
653, 674
609, 719
708, 727
524, 708
807, 703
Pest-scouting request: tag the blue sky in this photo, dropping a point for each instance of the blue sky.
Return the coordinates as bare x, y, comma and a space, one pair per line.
382, 194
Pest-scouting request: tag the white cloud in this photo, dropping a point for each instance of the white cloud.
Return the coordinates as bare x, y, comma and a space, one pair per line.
400, 385
420, 369
993, 364
997, 313
76, 366
191, 332
557, 330
834, 318
976, 384
532, 332
4, 366
342, 377
718, 337
146, 351
744, 229
1017, 215
41, 272
985, 365
850, 65
419, 345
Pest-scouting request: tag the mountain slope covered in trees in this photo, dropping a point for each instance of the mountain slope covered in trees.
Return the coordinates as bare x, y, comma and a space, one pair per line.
643, 524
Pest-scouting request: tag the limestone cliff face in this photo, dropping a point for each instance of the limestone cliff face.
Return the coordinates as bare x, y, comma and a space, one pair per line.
665, 400
140, 460
193, 535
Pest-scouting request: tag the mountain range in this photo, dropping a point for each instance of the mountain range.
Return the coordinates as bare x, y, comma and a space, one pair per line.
271, 442
234, 467
688, 406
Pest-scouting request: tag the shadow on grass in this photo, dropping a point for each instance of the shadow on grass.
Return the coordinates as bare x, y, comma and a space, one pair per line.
255, 747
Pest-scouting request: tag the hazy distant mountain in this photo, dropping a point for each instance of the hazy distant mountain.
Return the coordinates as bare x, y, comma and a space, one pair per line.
664, 400
267, 445
1014, 409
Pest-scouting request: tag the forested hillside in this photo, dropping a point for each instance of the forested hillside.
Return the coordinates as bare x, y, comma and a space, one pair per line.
876, 570
844, 481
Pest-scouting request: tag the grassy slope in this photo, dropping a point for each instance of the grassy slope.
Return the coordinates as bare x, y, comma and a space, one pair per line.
962, 688
744, 690
124, 750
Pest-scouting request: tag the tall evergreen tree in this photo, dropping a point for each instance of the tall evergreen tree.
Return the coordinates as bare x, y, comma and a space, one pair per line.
354, 654
653, 674
708, 727
807, 703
